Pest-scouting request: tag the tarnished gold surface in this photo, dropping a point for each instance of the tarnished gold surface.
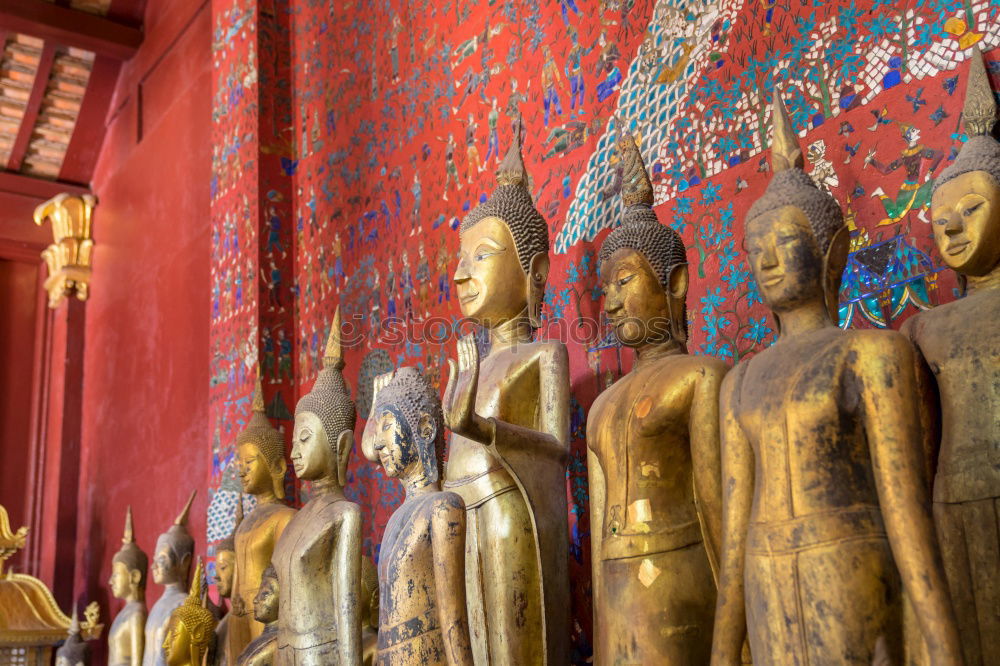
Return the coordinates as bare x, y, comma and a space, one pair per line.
69, 257
128, 583
653, 455
509, 417
191, 629
261, 463
318, 557
171, 563
822, 465
960, 344
225, 568
29, 616
422, 615
75, 651
262, 649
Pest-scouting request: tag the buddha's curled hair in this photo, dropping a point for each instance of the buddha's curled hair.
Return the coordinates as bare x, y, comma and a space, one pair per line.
409, 395
793, 187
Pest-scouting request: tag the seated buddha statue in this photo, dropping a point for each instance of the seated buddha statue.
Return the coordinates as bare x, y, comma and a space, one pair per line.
421, 567
960, 343
171, 564
128, 583
260, 651
826, 515
260, 451
653, 451
318, 558
190, 634
509, 417
225, 568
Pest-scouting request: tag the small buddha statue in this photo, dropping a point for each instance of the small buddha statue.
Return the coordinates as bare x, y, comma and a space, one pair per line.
824, 495
171, 564
960, 343
261, 650
422, 612
74, 651
318, 558
509, 417
225, 568
128, 583
190, 633
653, 451
260, 451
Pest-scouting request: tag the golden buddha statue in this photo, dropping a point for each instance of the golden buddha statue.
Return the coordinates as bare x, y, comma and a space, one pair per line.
75, 651
423, 617
653, 451
960, 342
171, 563
261, 650
225, 568
191, 631
128, 583
260, 451
318, 558
509, 417
824, 495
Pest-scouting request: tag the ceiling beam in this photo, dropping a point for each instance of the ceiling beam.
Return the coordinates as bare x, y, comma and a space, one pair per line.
70, 27
31, 109
38, 189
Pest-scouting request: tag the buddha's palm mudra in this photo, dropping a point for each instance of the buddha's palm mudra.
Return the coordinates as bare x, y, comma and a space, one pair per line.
653, 452
824, 493
423, 618
960, 342
128, 583
509, 415
260, 451
318, 558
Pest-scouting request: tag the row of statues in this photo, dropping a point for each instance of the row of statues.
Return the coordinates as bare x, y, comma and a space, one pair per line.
832, 499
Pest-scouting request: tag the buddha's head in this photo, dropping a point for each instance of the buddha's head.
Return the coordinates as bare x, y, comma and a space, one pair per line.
503, 256
260, 451
643, 265
191, 628
74, 651
225, 556
174, 551
965, 206
265, 602
409, 438
795, 236
325, 419
128, 566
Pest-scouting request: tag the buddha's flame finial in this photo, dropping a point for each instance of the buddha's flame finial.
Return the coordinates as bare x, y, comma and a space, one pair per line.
333, 357
194, 596
129, 536
980, 111
636, 187
258, 395
74, 623
511, 170
785, 150
182, 518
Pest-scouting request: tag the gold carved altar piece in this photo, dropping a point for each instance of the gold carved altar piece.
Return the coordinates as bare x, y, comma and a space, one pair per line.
69, 256
31, 623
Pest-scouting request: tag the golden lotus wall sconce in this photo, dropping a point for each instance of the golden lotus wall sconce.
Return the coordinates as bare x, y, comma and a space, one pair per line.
68, 257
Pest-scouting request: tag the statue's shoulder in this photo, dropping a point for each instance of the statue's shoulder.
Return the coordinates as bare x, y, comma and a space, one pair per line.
446, 502
552, 351
877, 343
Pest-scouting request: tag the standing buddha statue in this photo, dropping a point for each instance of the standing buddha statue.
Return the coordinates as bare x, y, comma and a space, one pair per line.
960, 342
824, 495
171, 564
423, 617
261, 650
191, 631
509, 417
260, 451
653, 451
318, 558
74, 651
225, 568
128, 583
